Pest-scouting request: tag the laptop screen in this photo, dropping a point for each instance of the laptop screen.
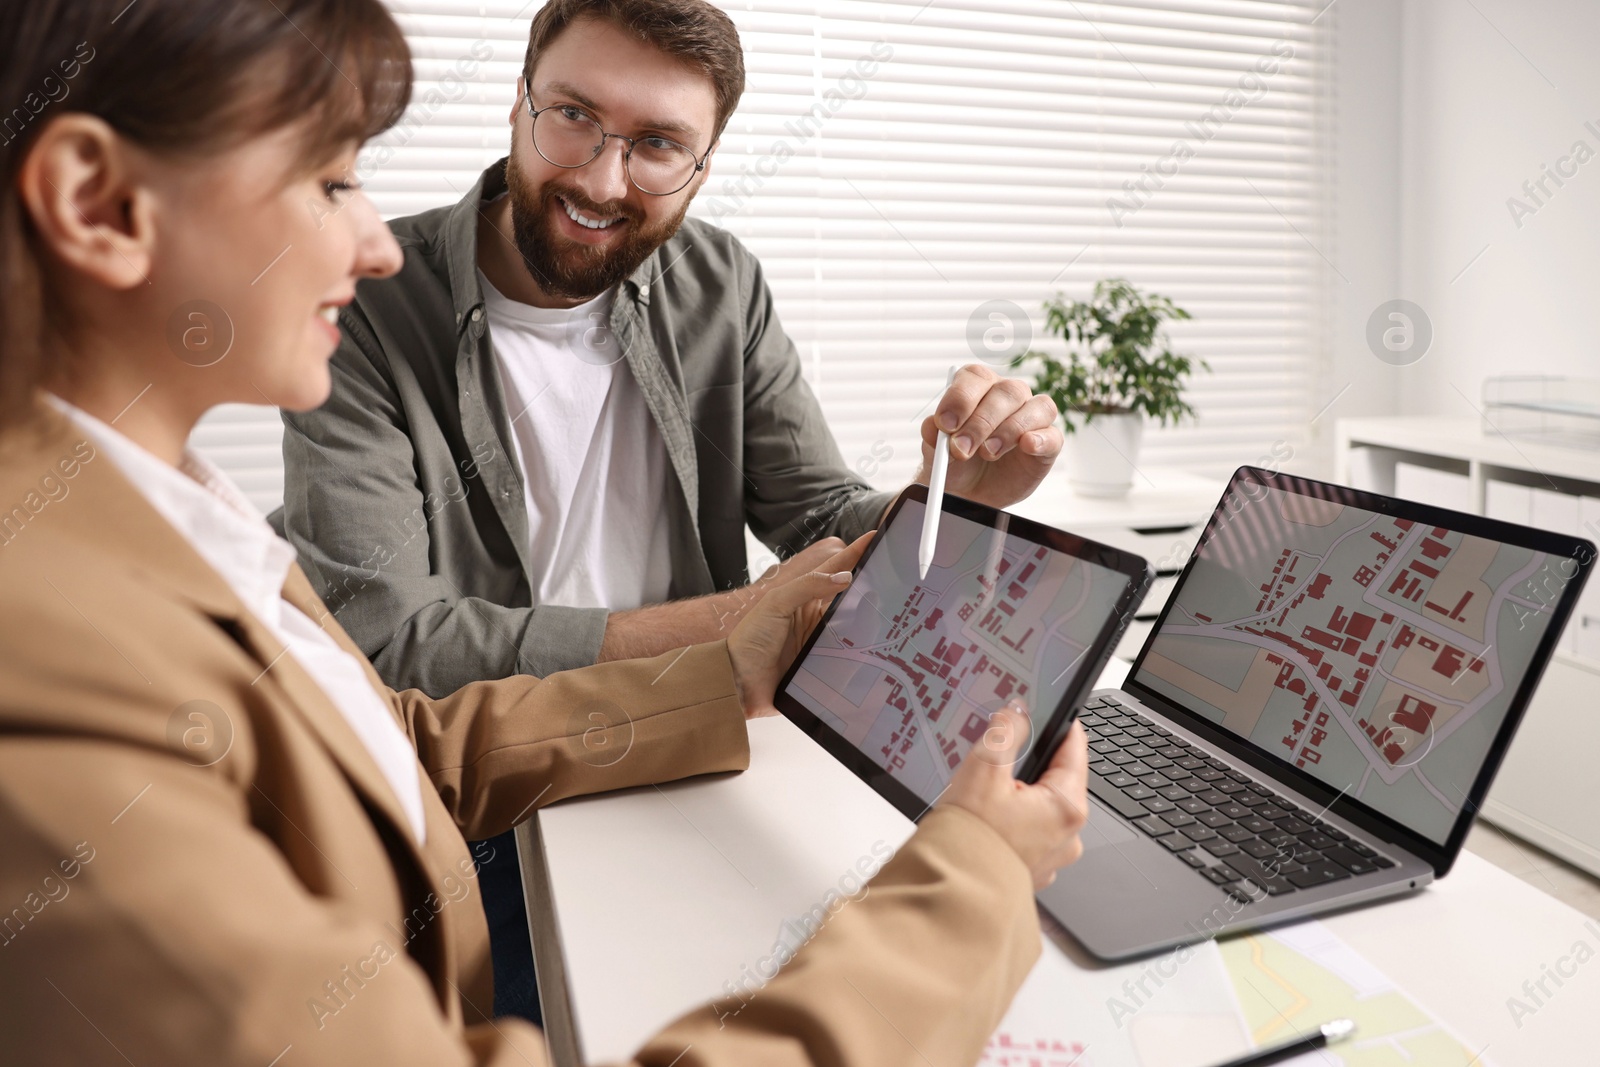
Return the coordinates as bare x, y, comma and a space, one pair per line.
1377, 653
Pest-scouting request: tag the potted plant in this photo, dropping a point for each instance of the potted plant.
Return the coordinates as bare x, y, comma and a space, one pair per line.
1119, 371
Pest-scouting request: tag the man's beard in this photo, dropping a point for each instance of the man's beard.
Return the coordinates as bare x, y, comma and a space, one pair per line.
563, 267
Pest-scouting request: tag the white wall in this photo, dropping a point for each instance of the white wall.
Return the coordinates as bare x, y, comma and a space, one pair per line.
1362, 244
1491, 90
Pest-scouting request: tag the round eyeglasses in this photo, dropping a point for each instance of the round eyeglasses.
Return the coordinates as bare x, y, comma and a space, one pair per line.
567, 136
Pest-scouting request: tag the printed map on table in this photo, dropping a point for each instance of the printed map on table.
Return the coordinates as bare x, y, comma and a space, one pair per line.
1379, 654
1213, 1001
909, 670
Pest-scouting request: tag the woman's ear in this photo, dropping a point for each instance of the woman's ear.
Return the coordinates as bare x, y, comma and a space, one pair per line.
90, 212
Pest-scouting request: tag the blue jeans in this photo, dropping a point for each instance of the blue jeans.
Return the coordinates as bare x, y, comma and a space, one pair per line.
516, 990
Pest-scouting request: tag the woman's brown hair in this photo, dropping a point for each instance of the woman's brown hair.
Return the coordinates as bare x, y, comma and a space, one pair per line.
181, 77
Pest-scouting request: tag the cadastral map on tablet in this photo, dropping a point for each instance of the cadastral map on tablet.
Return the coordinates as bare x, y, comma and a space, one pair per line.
909, 670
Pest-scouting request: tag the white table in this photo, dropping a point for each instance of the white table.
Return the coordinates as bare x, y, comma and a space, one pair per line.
644, 903
1160, 497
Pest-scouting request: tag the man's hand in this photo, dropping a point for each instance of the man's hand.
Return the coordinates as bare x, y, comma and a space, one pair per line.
1003, 438
1041, 821
770, 635
657, 628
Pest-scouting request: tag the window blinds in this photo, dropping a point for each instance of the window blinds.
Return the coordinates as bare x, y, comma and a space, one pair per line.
917, 177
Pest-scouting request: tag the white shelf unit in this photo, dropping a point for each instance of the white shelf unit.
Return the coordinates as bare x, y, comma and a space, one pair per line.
1548, 790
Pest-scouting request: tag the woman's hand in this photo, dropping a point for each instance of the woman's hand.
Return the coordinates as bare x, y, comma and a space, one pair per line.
768, 637
1041, 821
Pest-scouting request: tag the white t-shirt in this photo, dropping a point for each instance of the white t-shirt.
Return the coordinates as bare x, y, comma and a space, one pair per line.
594, 466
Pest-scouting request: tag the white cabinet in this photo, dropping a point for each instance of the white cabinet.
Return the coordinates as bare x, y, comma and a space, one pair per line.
1441, 488
1547, 790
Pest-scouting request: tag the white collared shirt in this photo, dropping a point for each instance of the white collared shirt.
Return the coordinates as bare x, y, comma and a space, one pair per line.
229, 534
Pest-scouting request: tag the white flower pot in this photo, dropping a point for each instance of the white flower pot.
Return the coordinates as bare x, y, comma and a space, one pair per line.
1101, 455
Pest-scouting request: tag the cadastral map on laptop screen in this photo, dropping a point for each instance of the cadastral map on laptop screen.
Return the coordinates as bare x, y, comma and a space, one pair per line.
1379, 654
909, 670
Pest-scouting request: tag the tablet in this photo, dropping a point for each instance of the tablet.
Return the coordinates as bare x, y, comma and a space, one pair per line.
901, 674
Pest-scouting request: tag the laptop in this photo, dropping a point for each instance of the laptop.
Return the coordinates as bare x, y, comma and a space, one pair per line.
1316, 715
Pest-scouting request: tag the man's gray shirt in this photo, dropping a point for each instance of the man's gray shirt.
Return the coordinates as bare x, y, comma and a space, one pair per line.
403, 495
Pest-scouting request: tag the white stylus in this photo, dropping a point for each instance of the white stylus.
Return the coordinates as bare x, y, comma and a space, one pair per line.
930, 516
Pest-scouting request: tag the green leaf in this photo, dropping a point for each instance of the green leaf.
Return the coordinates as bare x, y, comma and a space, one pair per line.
1117, 357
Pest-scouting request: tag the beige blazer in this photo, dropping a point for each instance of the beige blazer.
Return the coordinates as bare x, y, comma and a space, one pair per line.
201, 864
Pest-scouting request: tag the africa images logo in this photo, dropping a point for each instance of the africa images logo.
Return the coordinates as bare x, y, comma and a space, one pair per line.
1399, 332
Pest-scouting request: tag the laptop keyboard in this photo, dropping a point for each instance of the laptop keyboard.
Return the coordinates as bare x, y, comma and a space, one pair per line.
1188, 801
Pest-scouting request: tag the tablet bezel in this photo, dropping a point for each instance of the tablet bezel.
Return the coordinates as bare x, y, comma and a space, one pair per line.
1045, 740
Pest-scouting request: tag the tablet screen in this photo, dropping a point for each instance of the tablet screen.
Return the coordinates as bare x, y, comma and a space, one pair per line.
908, 671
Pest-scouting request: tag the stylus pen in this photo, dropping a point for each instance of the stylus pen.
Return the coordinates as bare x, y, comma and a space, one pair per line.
1326, 1034
930, 516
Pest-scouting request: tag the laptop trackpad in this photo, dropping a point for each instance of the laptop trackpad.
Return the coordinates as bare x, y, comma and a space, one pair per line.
1126, 894
1103, 831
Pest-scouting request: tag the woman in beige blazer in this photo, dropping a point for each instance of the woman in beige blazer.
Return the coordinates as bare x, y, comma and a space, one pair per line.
222, 839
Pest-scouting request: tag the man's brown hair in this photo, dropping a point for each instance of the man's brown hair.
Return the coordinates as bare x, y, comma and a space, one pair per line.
693, 31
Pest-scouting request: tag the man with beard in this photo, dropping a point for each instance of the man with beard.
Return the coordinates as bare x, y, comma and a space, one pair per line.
548, 432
